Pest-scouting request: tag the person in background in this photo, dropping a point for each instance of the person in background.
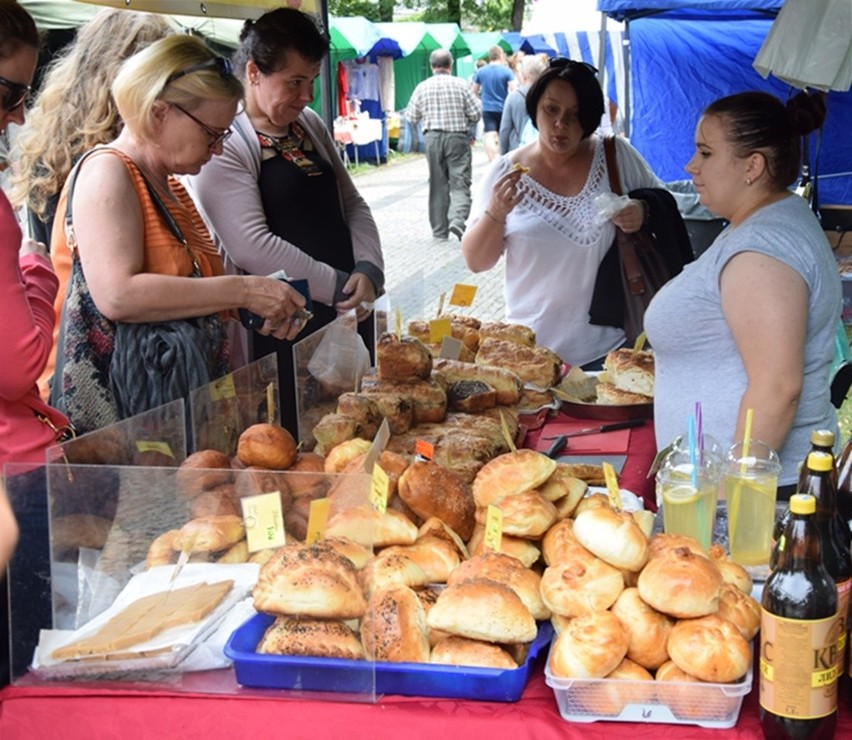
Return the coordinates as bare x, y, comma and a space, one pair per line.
447, 108
290, 203
493, 83
177, 100
541, 215
74, 110
750, 324
515, 117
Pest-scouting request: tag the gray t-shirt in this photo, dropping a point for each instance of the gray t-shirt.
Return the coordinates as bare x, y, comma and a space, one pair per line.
696, 357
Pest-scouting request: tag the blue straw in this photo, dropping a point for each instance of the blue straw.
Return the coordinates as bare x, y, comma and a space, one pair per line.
699, 428
692, 460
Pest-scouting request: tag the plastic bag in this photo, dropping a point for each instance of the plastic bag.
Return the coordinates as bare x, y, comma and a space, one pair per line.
341, 358
606, 205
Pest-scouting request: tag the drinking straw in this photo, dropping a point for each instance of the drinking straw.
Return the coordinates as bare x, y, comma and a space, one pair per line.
692, 455
733, 518
699, 427
747, 437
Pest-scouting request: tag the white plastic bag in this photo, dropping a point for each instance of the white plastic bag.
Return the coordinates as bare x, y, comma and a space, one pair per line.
606, 205
341, 358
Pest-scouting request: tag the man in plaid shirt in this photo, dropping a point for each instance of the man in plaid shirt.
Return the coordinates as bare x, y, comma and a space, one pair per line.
446, 106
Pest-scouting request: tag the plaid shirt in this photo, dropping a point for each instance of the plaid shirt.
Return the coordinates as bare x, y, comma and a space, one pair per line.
444, 103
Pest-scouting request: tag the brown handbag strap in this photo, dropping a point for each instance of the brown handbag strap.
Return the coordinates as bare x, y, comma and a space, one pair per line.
611, 164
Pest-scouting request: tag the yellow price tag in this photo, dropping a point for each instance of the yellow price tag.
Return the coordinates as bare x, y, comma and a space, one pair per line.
438, 329
379, 487
317, 517
612, 490
223, 388
462, 295
264, 521
493, 528
639, 344
148, 446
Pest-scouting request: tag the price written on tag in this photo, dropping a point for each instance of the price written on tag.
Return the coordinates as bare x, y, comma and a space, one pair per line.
264, 521
438, 329
462, 295
223, 388
493, 528
317, 518
148, 446
379, 487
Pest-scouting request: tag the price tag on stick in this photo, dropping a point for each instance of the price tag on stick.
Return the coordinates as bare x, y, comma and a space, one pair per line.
493, 528
264, 521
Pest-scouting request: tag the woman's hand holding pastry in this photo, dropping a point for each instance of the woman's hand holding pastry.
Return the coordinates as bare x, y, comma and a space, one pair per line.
505, 195
631, 218
361, 295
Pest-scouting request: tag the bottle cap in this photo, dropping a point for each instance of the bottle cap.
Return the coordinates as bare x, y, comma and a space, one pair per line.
802, 503
822, 437
819, 461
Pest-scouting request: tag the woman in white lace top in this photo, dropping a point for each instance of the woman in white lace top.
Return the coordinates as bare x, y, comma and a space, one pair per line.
543, 218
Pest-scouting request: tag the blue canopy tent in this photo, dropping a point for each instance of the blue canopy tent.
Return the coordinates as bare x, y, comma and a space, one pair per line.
534, 43
683, 54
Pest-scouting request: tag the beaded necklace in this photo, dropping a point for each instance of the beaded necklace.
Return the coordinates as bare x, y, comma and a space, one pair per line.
292, 146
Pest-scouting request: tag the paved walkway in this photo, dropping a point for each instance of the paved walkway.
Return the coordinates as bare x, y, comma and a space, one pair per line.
418, 268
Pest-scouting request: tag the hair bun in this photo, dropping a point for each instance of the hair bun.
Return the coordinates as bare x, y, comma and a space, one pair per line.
807, 111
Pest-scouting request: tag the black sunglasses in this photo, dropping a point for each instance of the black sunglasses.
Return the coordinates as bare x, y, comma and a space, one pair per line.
15, 95
562, 63
223, 65
216, 137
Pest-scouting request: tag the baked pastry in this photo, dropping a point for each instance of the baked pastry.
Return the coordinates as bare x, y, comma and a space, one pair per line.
538, 365
428, 397
561, 484
576, 588
434, 527
609, 698
318, 638
482, 609
731, 572
237, 553
681, 584
394, 627
559, 545
527, 514
210, 533
518, 547
614, 536
402, 358
454, 650
471, 396
432, 490
709, 648
267, 446
338, 457
631, 371
589, 646
363, 409
510, 474
593, 475
203, 470
668, 671
333, 429
366, 526
609, 395
396, 408
460, 329
357, 554
506, 383
309, 580
162, 550
662, 543
646, 628
517, 333
219, 501
740, 609
437, 557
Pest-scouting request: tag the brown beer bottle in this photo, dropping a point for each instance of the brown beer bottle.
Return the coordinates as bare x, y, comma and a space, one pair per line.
798, 635
822, 440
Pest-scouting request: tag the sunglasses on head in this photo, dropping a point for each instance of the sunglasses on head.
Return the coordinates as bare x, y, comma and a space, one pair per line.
14, 96
222, 65
562, 63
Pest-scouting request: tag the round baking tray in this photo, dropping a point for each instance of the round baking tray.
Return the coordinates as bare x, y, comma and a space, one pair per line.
604, 412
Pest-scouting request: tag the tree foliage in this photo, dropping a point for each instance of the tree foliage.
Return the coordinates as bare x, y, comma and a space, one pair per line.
480, 15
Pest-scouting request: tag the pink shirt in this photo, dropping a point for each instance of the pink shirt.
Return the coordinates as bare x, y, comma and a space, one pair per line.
27, 288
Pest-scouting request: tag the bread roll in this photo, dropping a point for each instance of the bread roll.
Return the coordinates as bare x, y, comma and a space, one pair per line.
392, 568
267, 446
561, 485
201, 471
162, 550
517, 547
628, 684
394, 628
436, 556
647, 629
661, 544
732, 572
237, 553
481, 609
402, 358
576, 588
339, 456
434, 527
510, 474
590, 646
668, 671
527, 514
431, 490
454, 650
366, 526
317, 638
709, 648
357, 554
210, 533
220, 501
614, 536
559, 545
681, 584
741, 610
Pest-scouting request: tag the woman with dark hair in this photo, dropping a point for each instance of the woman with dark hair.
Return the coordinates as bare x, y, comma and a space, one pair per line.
541, 215
280, 198
750, 324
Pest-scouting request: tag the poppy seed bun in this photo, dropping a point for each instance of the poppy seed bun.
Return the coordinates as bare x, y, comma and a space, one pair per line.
614, 536
681, 584
318, 638
394, 628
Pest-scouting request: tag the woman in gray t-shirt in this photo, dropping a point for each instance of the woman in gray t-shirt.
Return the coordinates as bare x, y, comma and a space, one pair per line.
751, 323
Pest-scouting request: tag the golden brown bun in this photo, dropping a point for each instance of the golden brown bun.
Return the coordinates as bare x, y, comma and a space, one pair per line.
316, 638
162, 550
614, 536
592, 501
536, 365
564, 487
431, 490
267, 446
261, 556
589, 646
709, 648
517, 547
681, 584
454, 650
646, 628
471, 396
237, 553
366, 526
339, 456
609, 395
668, 671
610, 697
402, 358
309, 580
559, 622
732, 572
576, 588
510, 571
357, 554
220, 501
517, 333
253, 481
527, 514
391, 568
392, 463
203, 470
559, 545
461, 328
631, 371
210, 533
394, 626
434, 527
741, 610
510, 474
481, 609
662, 543
505, 382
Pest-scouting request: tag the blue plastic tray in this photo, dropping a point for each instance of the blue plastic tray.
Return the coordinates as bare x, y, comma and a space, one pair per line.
354, 677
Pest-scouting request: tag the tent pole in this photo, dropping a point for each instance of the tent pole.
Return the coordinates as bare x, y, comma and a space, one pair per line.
602, 51
327, 104
626, 56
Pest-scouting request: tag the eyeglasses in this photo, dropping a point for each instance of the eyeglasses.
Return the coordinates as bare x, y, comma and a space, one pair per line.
216, 137
15, 95
224, 66
562, 63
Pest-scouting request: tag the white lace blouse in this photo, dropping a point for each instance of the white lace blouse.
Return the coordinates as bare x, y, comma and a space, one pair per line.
553, 246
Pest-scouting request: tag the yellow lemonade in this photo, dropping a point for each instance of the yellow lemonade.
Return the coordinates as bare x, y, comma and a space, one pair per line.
751, 516
687, 510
